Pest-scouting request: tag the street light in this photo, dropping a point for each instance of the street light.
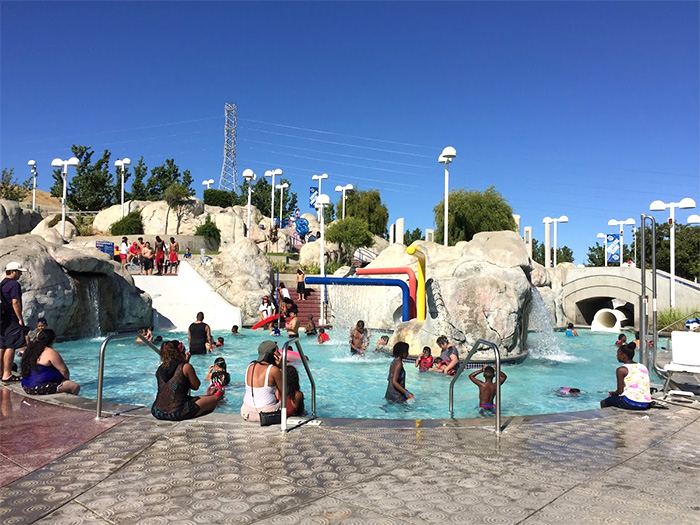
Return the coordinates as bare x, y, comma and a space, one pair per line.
445, 158
208, 183
347, 187
281, 187
120, 164
321, 202
605, 247
249, 175
272, 174
685, 204
694, 219
562, 219
32, 163
621, 224
60, 163
319, 178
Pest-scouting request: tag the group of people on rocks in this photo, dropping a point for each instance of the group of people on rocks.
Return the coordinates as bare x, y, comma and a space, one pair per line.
150, 258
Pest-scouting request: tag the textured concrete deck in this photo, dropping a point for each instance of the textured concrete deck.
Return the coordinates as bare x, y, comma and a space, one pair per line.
603, 466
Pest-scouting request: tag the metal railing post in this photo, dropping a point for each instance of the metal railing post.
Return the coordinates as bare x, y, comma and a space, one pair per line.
305, 363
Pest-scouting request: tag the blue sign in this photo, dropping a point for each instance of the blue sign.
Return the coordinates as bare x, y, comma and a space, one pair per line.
313, 195
612, 253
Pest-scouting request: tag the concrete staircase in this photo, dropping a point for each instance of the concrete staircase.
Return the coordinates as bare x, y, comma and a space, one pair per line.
312, 305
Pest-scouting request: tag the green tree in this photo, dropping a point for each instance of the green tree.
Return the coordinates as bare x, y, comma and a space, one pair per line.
92, 188
138, 188
329, 213
368, 207
349, 233
164, 176
176, 195
537, 251
10, 188
596, 255
411, 237
261, 197
221, 198
471, 212
564, 254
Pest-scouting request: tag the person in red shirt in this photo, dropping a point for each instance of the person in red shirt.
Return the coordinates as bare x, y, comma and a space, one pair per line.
323, 337
425, 361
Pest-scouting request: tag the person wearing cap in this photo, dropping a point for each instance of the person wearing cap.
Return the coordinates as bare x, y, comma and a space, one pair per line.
266, 309
12, 332
263, 383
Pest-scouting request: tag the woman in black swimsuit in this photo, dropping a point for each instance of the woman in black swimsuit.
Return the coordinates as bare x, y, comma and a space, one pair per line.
396, 389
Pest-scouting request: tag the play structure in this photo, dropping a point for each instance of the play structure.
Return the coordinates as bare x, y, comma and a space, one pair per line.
608, 320
420, 290
397, 271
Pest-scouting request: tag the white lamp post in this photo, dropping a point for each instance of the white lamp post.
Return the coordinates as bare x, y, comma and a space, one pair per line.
249, 175
32, 163
621, 224
120, 164
685, 204
445, 158
563, 218
208, 183
343, 189
605, 247
319, 178
272, 174
547, 242
321, 202
60, 163
282, 187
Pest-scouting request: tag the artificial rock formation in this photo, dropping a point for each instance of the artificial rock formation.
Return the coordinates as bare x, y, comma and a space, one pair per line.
79, 290
52, 234
241, 274
14, 219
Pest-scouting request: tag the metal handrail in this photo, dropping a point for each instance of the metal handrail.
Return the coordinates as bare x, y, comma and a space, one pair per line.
463, 365
304, 362
694, 314
101, 367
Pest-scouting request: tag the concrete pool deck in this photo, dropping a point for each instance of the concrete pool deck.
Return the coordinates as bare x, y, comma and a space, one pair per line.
599, 466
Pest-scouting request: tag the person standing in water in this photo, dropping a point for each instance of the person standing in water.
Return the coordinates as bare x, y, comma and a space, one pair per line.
359, 339
396, 389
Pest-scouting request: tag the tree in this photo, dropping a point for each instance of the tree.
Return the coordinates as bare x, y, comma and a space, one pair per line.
471, 212
411, 237
221, 198
164, 176
564, 254
92, 187
176, 195
349, 233
261, 197
596, 255
367, 206
138, 188
537, 251
12, 189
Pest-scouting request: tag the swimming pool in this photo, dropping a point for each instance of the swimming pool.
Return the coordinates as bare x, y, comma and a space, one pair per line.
354, 387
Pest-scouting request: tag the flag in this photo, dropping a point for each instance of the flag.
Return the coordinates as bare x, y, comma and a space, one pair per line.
613, 254
313, 195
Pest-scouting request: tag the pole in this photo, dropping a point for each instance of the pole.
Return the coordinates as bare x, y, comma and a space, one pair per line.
622, 244
643, 299
605, 251
34, 190
634, 241
122, 170
281, 201
63, 206
323, 258
673, 255
249, 192
343, 202
272, 206
554, 260
547, 246
447, 189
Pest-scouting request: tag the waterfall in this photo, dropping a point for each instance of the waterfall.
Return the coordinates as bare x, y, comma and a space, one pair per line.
92, 290
542, 340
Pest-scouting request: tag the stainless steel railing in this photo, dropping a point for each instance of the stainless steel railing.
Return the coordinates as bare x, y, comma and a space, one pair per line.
304, 362
477, 346
101, 367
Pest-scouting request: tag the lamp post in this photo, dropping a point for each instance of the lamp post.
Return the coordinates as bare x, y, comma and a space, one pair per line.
60, 163
208, 183
563, 218
547, 242
685, 204
249, 176
605, 247
343, 189
120, 163
445, 158
321, 202
621, 224
32, 163
272, 174
282, 187
319, 178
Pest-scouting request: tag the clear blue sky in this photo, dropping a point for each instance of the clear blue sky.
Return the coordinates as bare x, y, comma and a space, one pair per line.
589, 109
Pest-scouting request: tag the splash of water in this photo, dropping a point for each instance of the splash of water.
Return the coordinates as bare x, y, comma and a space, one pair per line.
93, 298
542, 340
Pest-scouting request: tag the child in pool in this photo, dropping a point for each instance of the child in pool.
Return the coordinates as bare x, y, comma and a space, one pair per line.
621, 340
220, 341
487, 388
382, 344
425, 361
218, 366
565, 391
323, 337
275, 332
216, 387
571, 331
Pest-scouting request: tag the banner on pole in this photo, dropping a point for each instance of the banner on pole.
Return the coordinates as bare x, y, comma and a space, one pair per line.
313, 195
612, 254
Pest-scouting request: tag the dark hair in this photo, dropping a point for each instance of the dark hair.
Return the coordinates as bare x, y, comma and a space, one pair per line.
360, 324
294, 309
430, 351
400, 348
281, 285
570, 326
299, 270
441, 340
621, 336
42, 320
158, 238
321, 330
489, 371
200, 316
172, 239
34, 349
169, 351
628, 350
292, 380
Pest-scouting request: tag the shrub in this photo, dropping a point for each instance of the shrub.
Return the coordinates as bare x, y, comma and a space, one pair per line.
311, 269
673, 319
57, 218
130, 225
332, 266
84, 224
209, 230
220, 198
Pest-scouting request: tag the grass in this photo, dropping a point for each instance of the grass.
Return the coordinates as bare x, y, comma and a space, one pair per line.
673, 319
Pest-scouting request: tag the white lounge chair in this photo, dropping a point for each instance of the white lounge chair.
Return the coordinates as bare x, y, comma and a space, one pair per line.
685, 355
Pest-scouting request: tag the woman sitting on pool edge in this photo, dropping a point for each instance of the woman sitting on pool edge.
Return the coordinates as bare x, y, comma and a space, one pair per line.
263, 384
43, 369
176, 376
633, 389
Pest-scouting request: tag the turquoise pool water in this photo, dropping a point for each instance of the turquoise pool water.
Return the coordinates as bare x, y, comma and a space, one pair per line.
354, 387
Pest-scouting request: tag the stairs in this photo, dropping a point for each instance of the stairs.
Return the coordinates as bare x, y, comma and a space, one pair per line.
312, 305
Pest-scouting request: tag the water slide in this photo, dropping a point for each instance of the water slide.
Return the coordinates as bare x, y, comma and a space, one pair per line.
354, 281
177, 299
412, 283
608, 320
417, 252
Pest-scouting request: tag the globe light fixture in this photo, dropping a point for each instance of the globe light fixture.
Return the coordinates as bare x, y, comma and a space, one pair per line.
344, 189
271, 174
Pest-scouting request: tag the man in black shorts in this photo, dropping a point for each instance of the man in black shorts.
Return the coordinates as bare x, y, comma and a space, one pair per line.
11, 323
199, 336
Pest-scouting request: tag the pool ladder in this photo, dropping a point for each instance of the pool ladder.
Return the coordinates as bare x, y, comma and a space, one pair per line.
477, 346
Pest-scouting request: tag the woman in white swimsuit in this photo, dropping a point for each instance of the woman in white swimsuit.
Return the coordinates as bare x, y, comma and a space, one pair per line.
263, 382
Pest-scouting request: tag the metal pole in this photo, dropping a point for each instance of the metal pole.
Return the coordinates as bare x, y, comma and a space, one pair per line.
122, 170
249, 193
643, 300
605, 251
323, 256
622, 244
447, 189
673, 255
343, 202
653, 284
554, 250
34, 190
272, 206
63, 207
547, 246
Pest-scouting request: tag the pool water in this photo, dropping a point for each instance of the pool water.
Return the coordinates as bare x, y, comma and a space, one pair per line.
354, 387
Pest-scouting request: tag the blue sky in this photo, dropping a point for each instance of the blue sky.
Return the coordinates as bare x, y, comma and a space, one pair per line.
589, 109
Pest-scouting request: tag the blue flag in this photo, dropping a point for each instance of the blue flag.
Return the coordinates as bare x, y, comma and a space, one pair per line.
313, 195
612, 253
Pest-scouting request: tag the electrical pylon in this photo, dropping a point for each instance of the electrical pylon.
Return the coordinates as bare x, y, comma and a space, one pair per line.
229, 170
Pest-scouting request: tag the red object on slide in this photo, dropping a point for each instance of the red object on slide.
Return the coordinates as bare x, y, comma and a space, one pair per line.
265, 321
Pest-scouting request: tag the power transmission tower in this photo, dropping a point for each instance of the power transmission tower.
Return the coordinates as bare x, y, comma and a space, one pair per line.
229, 171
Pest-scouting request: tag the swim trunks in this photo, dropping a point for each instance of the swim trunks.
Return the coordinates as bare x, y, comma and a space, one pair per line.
487, 406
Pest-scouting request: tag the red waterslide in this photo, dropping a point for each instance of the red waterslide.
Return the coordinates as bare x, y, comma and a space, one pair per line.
412, 282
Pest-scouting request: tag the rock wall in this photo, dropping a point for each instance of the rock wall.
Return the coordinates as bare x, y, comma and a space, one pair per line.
79, 290
15, 220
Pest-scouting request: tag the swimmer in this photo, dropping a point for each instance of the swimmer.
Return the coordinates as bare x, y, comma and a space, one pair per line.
382, 344
621, 340
220, 341
566, 391
218, 366
234, 330
425, 361
487, 388
571, 331
323, 337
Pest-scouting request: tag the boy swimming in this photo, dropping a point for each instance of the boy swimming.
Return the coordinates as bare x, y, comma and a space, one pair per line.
487, 388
